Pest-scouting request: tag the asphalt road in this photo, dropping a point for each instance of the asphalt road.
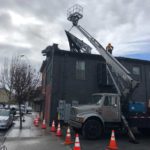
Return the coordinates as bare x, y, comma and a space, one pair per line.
122, 142
2, 136
121, 139
3, 133
50, 141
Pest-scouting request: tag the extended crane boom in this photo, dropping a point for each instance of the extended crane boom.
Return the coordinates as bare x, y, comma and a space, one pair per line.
121, 76
122, 80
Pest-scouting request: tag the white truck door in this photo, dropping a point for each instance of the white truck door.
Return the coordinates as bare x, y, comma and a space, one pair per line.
111, 109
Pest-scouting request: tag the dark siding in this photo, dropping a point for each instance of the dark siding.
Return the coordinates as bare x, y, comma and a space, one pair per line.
147, 80
57, 85
101, 74
143, 90
65, 86
65, 83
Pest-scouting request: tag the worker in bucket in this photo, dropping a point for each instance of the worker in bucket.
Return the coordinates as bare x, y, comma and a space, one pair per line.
109, 48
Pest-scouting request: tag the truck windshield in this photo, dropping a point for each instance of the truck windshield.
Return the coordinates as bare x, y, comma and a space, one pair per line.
96, 99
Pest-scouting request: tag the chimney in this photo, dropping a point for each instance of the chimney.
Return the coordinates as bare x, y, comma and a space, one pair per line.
55, 46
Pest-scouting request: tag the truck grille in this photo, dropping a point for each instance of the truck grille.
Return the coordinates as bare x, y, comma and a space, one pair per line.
73, 112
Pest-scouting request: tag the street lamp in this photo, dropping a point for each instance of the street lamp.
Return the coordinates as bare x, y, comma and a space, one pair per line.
28, 67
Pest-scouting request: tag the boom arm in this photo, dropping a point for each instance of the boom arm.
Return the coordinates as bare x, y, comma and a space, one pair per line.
122, 77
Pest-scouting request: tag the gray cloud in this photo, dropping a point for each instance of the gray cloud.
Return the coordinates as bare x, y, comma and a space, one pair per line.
5, 21
125, 23
48, 10
9, 50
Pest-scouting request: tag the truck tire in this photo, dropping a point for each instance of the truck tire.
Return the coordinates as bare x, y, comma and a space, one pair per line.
92, 129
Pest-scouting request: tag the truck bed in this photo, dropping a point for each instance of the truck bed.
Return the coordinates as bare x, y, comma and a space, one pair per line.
140, 120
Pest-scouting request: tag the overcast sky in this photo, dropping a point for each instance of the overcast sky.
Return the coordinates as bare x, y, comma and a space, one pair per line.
29, 26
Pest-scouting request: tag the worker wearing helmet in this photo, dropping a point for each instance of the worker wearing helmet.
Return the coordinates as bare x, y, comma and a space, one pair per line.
109, 48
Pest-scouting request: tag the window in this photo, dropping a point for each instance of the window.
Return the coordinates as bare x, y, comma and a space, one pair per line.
108, 101
80, 70
114, 100
136, 70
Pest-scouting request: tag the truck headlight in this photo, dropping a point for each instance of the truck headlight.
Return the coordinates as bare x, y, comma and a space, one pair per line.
79, 119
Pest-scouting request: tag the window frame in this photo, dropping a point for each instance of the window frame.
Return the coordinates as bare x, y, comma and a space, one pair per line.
134, 72
80, 68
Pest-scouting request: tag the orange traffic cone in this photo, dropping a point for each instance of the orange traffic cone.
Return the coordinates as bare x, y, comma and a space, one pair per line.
58, 132
68, 137
113, 144
43, 124
38, 117
53, 129
77, 143
36, 122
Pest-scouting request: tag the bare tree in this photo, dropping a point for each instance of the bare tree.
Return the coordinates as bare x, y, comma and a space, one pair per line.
22, 79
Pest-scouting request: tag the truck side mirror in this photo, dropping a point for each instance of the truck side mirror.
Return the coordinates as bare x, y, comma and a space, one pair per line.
114, 105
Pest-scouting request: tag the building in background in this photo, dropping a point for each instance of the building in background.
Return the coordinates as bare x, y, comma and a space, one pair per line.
72, 76
4, 99
38, 100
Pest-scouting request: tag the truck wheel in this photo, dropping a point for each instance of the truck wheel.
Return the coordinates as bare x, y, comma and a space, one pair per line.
92, 129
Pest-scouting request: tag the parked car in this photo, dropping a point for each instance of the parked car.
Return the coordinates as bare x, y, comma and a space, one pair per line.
1, 106
28, 109
22, 111
6, 118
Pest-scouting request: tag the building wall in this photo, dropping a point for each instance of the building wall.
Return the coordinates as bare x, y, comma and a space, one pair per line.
63, 85
46, 70
142, 93
147, 80
47, 109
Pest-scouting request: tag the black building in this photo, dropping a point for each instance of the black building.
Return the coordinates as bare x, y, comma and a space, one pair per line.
76, 76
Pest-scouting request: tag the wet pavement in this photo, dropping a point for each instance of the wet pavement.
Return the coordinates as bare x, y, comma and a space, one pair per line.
2, 136
35, 138
28, 131
122, 142
32, 138
39, 143
3, 133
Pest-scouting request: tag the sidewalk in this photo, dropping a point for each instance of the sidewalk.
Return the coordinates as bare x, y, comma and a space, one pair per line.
28, 129
32, 138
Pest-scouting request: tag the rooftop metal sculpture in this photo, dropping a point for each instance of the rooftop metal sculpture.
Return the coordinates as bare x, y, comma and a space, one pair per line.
77, 45
74, 14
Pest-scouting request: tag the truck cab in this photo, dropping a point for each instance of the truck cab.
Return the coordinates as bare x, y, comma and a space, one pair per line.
92, 119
